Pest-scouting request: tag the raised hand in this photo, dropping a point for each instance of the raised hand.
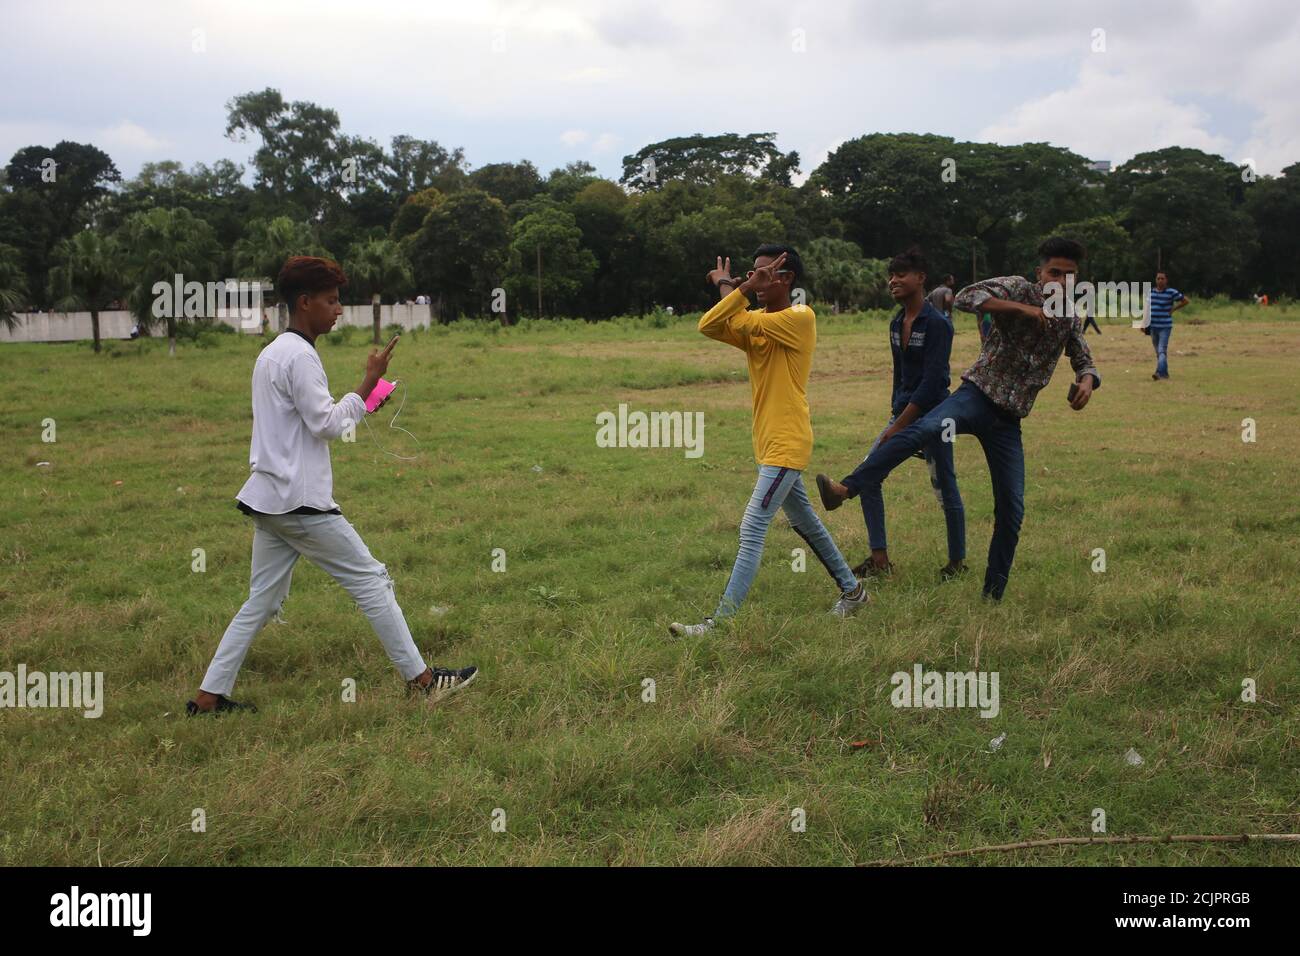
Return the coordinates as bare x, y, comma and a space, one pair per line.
723, 271
377, 361
767, 273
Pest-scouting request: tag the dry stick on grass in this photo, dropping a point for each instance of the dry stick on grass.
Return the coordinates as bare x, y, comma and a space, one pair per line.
1084, 841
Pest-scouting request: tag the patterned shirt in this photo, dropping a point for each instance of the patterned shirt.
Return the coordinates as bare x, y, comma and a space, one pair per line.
1160, 306
1018, 358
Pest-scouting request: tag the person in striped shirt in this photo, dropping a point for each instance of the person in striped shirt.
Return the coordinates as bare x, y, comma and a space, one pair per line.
1163, 302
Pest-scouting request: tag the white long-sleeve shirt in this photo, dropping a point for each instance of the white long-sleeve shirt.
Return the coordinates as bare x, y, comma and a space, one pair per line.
293, 418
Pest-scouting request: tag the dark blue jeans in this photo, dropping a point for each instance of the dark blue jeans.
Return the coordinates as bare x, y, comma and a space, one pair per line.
971, 413
943, 479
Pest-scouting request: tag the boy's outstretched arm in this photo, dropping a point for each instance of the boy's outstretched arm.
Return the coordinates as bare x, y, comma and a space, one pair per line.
1007, 295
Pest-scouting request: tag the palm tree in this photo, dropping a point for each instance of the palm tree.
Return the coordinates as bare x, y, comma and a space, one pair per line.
88, 274
267, 243
161, 244
13, 285
377, 266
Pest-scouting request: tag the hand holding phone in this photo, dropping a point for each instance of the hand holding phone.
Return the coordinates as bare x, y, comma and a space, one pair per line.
379, 394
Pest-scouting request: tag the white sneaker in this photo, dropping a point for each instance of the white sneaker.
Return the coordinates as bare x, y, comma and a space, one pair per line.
851, 601
691, 630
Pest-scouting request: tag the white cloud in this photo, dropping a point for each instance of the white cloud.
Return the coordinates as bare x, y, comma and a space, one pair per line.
629, 74
1107, 117
130, 137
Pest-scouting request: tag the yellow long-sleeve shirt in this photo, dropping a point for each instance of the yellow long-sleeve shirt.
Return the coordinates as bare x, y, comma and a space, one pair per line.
779, 347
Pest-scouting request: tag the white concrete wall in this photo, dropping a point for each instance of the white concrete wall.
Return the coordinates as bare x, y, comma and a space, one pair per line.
75, 326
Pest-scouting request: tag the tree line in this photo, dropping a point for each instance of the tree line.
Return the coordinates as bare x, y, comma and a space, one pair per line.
414, 217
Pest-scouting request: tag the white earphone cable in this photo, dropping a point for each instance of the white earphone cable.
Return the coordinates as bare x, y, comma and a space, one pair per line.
392, 424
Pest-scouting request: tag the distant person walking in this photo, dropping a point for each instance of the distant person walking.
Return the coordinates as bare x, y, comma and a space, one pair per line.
1164, 301
1088, 320
941, 295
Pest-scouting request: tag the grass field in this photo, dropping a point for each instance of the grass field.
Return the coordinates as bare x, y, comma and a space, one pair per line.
604, 547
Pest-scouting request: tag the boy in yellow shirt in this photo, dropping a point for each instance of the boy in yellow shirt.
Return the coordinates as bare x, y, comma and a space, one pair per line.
778, 341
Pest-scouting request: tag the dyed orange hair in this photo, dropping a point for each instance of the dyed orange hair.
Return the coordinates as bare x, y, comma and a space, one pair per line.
308, 275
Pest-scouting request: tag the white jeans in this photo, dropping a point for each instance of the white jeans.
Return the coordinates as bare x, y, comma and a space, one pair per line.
330, 543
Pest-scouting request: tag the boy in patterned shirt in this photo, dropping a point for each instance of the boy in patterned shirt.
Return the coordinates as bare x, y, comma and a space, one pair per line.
1016, 362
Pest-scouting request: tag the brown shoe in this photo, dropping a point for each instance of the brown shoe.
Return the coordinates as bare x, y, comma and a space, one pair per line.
830, 500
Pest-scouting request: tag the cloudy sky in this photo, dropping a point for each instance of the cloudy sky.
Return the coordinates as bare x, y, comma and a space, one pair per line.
560, 80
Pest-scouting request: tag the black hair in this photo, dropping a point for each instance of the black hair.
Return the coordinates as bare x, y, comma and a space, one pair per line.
1058, 247
792, 260
910, 261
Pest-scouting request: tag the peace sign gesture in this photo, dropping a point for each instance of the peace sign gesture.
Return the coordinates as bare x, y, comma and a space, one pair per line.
723, 271
767, 273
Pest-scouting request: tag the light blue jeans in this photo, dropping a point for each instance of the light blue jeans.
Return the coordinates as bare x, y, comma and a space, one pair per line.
333, 545
779, 488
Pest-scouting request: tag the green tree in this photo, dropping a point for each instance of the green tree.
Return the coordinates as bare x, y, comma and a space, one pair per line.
89, 273
412, 212
838, 273
564, 184
1107, 245
304, 159
267, 245
600, 211
50, 194
161, 244
375, 267
951, 198
414, 165
13, 285
1273, 203
702, 160
461, 250
216, 194
548, 240
1185, 210
510, 182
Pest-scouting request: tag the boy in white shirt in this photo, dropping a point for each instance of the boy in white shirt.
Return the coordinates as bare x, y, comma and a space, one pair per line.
289, 494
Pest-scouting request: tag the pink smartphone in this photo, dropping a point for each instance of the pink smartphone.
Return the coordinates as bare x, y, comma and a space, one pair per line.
379, 393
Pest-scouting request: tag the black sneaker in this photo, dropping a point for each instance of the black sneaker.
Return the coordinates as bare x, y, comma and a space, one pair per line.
948, 572
224, 706
869, 569
445, 683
